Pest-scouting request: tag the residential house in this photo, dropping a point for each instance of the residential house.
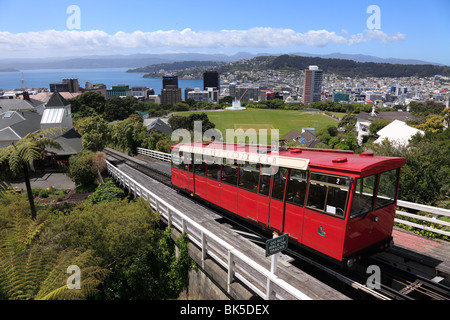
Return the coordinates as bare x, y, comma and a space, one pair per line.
398, 132
305, 138
364, 119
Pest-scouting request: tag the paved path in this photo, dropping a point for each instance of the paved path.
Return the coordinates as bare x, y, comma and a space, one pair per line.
47, 180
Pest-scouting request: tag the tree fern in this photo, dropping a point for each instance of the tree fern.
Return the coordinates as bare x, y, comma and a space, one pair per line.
32, 269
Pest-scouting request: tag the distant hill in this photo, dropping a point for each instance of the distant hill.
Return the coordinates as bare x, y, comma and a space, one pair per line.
176, 66
342, 67
142, 60
353, 68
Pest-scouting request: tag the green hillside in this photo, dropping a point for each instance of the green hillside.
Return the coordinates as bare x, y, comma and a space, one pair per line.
283, 120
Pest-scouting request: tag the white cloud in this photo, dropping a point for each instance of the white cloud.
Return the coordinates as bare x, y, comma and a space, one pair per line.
96, 40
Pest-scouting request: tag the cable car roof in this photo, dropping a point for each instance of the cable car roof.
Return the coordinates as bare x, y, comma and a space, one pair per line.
296, 158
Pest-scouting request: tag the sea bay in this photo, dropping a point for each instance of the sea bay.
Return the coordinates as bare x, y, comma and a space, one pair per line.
41, 78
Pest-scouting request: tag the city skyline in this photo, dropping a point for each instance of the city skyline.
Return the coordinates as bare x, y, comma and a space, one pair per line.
386, 29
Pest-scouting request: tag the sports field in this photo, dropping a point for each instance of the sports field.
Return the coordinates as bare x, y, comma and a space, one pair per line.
283, 120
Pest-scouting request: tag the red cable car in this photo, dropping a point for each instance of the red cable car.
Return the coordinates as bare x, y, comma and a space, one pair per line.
337, 203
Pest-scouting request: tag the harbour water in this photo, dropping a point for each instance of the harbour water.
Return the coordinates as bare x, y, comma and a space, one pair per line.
109, 76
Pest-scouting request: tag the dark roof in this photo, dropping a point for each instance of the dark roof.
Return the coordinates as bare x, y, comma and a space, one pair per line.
305, 139
292, 135
70, 143
160, 126
308, 140
388, 115
19, 104
57, 100
21, 122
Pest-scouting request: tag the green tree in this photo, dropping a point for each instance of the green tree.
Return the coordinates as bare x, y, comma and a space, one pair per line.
348, 122
106, 192
128, 134
425, 178
94, 132
87, 104
81, 169
21, 155
377, 125
117, 109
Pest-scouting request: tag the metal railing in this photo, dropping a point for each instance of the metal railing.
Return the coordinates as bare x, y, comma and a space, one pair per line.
238, 265
155, 154
436, 212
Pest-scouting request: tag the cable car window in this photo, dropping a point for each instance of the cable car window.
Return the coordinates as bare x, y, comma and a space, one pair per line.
387, 188
279, 181
364, 195
177, 160
249, 176
230, 173
328, 193
297, 187
264, 184
213, 171
199, 165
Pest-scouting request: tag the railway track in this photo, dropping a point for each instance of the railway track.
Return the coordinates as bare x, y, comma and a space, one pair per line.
395, 284
162, 177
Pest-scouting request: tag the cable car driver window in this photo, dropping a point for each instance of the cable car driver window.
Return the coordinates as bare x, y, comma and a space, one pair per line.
177, 159
297, 187
363, 198
249, 176
387, 188
328, 193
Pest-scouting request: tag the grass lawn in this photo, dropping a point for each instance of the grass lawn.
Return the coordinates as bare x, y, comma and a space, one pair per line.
283, 120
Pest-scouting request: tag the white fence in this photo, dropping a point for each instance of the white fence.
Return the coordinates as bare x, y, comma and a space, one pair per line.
239, 266
155, 154
436, 212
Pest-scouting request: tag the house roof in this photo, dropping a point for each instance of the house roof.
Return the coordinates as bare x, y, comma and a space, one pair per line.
159, 126
19, 104
70, 143
57, 100
307, 139
397, 132
292, 135
20, 122
388, 115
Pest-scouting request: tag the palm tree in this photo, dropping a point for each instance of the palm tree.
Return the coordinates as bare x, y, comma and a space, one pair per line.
22, 154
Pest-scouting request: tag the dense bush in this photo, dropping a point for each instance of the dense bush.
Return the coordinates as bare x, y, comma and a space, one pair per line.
81, 170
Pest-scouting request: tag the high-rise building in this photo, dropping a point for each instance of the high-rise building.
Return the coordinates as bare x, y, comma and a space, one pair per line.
170, 81
211, 80
312, 85
170, 95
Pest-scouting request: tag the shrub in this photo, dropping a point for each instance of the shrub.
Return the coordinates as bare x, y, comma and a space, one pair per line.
81, 170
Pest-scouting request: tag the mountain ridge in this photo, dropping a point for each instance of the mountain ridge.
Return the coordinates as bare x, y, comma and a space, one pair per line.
144, 59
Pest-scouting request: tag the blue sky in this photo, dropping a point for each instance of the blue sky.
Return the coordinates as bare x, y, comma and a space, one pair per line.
408, 29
